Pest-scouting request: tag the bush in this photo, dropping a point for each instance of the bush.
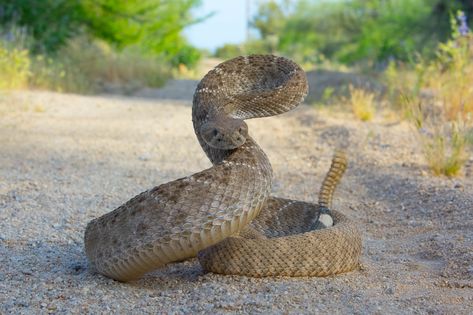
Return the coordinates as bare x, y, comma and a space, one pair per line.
367, 32
82, 66
440, 103
93, 65
14, 67
228, 51
443, 143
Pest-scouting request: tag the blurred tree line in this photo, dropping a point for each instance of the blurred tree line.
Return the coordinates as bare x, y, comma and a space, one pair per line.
351, 31
154, 26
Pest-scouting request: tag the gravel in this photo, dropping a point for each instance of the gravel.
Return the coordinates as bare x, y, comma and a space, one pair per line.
66, 159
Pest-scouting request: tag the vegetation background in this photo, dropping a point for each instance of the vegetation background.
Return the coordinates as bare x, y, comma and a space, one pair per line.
410, 58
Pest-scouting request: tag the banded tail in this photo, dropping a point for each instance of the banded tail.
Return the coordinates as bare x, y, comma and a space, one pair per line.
331, 180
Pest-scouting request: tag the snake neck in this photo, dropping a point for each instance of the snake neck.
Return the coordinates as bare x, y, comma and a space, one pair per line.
251, 155
216, 156
248, 154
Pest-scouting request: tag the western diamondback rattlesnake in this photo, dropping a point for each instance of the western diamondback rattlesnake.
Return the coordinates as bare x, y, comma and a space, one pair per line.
176, 220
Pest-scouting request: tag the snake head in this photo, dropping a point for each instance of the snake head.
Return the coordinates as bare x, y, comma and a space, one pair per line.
224, 133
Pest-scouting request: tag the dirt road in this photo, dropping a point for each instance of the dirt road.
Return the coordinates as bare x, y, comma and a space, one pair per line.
66, 159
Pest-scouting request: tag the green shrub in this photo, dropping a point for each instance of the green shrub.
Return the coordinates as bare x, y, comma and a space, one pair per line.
367, 32
49, 74
228, 51
14, 67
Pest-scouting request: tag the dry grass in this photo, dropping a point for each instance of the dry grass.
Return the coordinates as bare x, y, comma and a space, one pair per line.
86, 66
83, 66
362, 103
438, 100
444, 144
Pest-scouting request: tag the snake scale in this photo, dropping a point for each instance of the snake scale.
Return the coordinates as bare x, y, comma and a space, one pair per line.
225, 214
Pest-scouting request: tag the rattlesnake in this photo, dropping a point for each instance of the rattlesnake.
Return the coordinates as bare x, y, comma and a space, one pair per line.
285, 239
176, 220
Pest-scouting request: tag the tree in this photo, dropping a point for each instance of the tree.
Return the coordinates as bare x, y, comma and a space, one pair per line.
269, 21
367, 30
154, 25
50, 23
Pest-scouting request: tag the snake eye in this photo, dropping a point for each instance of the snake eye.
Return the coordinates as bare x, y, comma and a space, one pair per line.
214, 132
243, 129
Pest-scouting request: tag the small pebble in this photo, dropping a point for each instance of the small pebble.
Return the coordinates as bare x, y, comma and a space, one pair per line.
389, 290
144, 157
470, 270
22, 304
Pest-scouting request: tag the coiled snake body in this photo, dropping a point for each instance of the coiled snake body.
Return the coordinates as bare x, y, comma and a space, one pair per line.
205, 212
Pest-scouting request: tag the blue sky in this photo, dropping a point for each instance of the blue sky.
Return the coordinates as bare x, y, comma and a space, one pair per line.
227, 25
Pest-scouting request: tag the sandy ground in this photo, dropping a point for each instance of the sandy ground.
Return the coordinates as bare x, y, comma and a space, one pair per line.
66, 159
